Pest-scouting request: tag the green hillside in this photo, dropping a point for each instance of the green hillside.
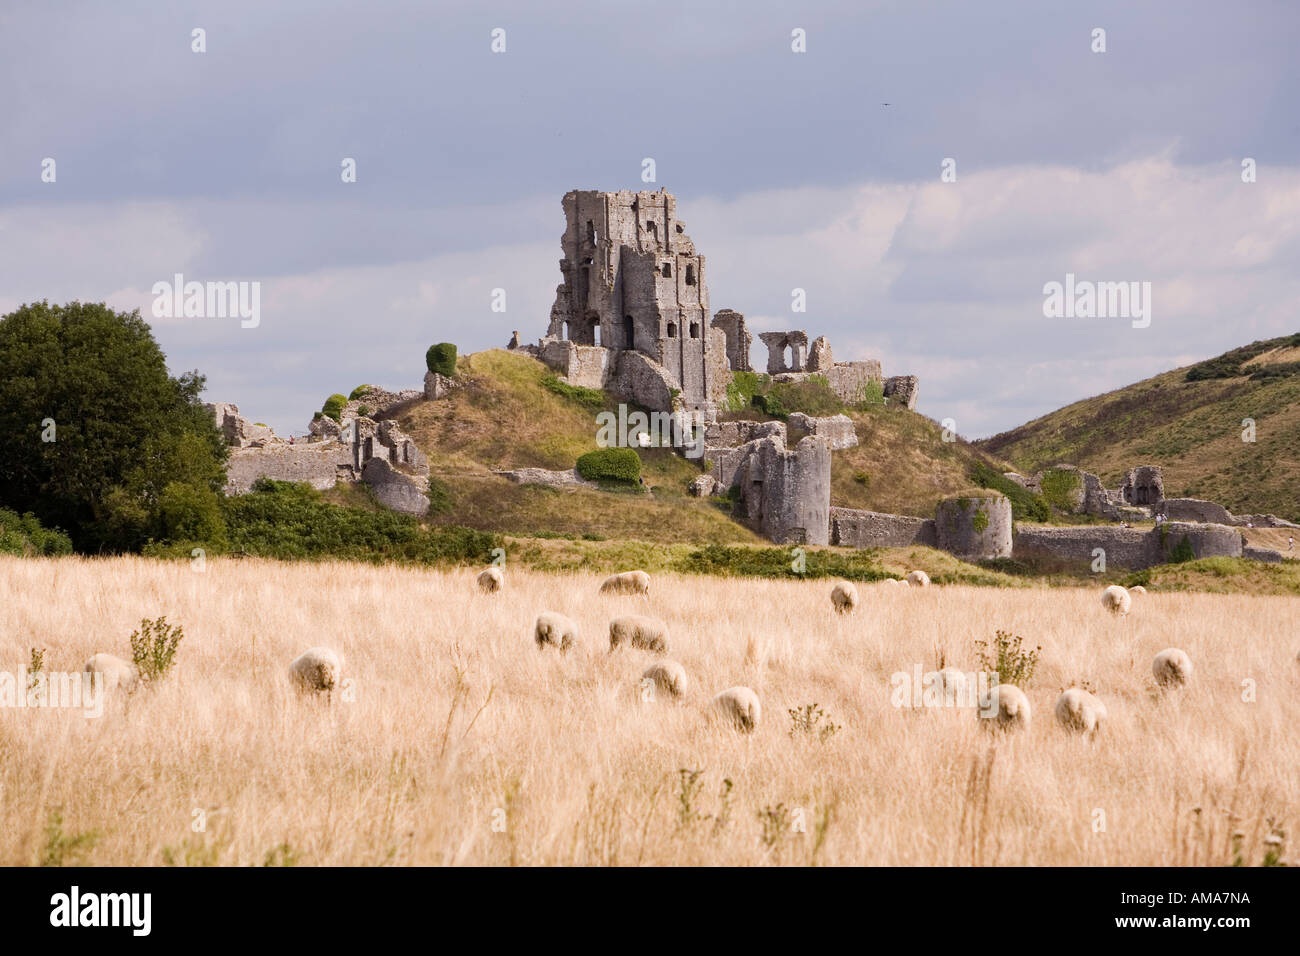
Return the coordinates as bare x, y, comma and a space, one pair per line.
1189, 421
511, 412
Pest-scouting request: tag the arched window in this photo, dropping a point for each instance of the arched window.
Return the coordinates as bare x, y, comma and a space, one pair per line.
672, 330
690, 275
667, 270
695, 330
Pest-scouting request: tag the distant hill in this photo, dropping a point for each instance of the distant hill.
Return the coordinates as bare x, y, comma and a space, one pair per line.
1189, 421
512, 413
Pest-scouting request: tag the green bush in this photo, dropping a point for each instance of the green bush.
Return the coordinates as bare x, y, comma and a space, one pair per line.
1025, 505
742, 388
592, 399
191, 514
740, 561
290, 521
873, 393
1060, 486
359, 391
24, 536
363, 411
153, 648
610, 464
441, 358
1182, 551
333, 406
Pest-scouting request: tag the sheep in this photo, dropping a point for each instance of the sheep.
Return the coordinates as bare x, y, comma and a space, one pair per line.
1013, 711
1079, 711
1137, 589
556, 630
628, 582
114, 671
844, 597
918, 579
1171, 667
646, 633
316, 669
740, 706
490, 580
892, 582
668, 676
1116, 600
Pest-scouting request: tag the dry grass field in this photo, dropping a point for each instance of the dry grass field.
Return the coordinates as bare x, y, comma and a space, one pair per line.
455, 740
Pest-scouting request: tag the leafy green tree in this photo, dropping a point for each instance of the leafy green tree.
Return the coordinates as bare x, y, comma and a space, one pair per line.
95, 427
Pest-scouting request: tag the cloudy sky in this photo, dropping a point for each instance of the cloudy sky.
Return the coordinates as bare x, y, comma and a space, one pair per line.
225, 165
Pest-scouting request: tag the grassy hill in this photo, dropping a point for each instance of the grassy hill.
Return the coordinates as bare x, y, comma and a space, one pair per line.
1189, 421
511, 412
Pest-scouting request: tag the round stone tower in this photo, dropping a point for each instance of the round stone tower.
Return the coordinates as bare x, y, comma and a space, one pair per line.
977, 525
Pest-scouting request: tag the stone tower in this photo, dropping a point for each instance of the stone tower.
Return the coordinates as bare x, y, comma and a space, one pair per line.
634, 282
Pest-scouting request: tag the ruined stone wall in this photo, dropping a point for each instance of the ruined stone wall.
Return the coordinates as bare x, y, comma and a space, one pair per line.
1124, 547
738, 339
848, 380
836, 429
1207, 540
902, 390
1193, 509
785, 493
873, 529
319, 464
974, 527
583, 365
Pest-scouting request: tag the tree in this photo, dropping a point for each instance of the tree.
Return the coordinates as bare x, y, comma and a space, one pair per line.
95, 428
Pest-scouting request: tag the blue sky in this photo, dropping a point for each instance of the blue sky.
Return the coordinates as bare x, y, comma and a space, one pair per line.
789, 171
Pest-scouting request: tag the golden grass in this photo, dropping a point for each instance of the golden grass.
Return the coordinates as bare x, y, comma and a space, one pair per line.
458, 722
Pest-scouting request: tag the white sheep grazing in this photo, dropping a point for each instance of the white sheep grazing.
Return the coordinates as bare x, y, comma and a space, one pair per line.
491, 580
1013, 709
1079, 711
115, 672
1171, 667
740, 706
668, 676
1116, 600
844, 596
646, 633
892, 582
628, 582
1137, 589
556, 630
918, 579
316, 669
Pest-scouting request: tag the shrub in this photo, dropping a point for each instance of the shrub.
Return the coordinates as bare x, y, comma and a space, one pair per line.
742, 561
1060, 486
24, 536
153, 648
363, 411
1182, 551
1025, 505
812, 396
592, 399
359, 391
742, 388
862, 478
291, 521
873, 393
333, 406
614, 464
980, 521
441, 358
188, 513
1008, 659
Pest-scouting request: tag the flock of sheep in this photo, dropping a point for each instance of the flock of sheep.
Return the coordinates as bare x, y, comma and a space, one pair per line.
1077, 710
